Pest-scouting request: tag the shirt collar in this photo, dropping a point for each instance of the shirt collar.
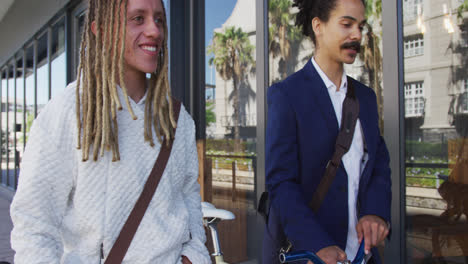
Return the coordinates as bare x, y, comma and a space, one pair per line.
328, 83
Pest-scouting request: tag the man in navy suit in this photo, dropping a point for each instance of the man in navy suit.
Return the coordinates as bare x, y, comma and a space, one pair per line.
304, 116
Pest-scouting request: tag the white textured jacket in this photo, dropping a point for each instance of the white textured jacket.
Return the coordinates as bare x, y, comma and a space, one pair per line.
65, 209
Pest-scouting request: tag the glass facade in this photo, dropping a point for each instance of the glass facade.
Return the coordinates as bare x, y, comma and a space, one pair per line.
36, 73
436, 122
231, 120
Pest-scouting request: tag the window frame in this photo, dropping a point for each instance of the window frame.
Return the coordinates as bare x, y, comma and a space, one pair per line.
415, 95
410, 42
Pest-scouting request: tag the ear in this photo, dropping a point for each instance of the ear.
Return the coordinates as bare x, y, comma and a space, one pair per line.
93, 27
316, 26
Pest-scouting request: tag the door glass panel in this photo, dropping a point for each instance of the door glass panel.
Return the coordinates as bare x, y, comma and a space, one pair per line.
436, 129
231, 120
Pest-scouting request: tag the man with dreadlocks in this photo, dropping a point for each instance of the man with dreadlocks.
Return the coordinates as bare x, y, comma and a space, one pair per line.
304, 119
70, 207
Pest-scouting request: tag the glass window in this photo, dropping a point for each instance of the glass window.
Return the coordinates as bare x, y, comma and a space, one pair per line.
412, 9
414, 99
18, 114
231, 121
30, 92
288, 50
436, 166
464, 37
42, 73
78, 27
464, 97
4, 134
59, 58
10, 128
414, 45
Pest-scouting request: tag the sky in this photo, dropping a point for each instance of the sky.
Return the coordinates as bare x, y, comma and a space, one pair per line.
216, 13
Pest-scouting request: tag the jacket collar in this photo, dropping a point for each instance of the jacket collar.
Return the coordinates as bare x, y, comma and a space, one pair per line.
319, 92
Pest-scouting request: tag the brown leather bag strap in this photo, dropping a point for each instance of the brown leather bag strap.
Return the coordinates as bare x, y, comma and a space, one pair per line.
349, 118
122, 243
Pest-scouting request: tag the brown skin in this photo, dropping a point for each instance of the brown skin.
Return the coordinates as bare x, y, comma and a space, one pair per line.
344, 26
145, 29
331, 255
374, 230
185, 260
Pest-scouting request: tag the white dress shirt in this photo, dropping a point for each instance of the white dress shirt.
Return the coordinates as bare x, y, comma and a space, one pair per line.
352, 160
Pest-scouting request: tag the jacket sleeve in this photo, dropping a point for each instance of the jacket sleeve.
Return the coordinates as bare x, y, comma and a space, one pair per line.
282, 176
195, 249
45, 183
377, 196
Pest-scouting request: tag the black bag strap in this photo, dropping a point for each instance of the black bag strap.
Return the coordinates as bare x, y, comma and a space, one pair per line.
350, 114
122, 243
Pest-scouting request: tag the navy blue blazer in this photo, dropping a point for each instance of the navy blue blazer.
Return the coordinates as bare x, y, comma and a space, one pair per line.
300, 139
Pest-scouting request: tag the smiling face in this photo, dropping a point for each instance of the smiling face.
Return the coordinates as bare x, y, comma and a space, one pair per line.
339, 38
145, 35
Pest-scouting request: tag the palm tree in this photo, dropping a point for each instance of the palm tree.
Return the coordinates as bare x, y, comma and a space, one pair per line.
462, 8
372, 57
284, 37
232, 57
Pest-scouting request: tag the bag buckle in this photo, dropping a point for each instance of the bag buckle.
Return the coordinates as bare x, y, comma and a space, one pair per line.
287, 248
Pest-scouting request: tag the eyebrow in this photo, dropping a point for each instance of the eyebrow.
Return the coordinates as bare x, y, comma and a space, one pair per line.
354, 19
142, 11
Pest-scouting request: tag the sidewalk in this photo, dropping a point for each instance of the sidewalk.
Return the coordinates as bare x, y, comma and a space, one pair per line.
6, 253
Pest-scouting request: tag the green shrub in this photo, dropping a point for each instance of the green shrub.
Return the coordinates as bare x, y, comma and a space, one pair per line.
425, 150
227, 146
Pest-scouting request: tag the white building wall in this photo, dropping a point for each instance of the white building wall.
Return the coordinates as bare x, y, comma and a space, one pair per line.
434, 66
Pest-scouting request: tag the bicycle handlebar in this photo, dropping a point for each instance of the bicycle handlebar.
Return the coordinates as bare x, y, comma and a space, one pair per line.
307, 255
300, 255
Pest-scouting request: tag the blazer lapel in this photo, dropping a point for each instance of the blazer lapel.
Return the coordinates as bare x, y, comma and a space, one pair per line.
366, 122
318, 90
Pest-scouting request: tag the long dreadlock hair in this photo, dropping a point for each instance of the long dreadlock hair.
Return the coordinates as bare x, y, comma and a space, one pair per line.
101, 66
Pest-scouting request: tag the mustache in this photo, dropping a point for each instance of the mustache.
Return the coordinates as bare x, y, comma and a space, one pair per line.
352, 45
